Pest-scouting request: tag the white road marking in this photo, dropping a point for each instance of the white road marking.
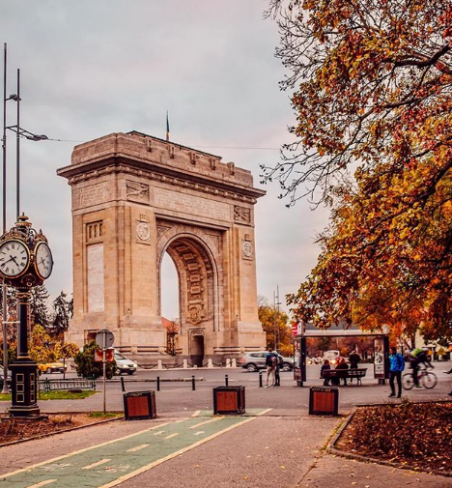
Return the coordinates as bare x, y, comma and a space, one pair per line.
171, 436
199, 432
160, 432
138, 448
207, 422
42, 483
102, 461
195, 414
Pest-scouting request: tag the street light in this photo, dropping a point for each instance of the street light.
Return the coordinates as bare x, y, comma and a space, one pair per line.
20, 132
27, 134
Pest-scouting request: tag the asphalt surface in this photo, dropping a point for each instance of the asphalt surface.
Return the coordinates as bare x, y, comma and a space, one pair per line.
176, 397
284, 447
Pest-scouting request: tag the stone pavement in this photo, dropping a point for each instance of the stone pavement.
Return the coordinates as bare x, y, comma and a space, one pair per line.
269, 450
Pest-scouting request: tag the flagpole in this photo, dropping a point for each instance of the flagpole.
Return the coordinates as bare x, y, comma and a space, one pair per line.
167, 127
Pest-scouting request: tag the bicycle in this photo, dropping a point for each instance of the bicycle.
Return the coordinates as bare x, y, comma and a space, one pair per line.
426, 378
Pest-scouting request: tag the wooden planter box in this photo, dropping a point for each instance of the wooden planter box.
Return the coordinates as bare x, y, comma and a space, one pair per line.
139, 405
323, 401
229, 400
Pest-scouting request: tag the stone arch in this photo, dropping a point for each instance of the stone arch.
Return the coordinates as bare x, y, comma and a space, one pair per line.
145, 197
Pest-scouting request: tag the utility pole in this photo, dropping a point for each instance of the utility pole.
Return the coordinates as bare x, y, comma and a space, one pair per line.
4, 289
276, 317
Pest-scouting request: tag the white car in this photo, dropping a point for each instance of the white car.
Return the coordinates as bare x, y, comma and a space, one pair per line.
332, 356
125, 365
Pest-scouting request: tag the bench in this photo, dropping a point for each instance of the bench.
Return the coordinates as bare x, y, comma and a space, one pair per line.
67, 385
336, 374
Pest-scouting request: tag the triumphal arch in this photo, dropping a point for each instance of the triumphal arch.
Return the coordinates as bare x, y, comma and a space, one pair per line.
136, 197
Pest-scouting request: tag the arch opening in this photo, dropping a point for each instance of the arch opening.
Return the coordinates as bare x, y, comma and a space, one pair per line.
198, 300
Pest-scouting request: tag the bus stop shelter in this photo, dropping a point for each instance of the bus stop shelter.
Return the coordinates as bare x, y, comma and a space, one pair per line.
381, 349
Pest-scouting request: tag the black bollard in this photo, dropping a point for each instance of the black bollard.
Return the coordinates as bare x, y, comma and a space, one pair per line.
260, 379
158, 383
226, 380
193, 384
123, 386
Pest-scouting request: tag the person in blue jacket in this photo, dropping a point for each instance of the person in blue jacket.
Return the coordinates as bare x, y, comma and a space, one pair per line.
396, 366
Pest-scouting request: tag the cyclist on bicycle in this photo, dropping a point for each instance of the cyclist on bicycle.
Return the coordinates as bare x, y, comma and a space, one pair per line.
417, 357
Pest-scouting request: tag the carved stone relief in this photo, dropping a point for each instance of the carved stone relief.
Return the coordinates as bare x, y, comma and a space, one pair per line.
161, 229
247, 250
137, 192
143, 231
242, 214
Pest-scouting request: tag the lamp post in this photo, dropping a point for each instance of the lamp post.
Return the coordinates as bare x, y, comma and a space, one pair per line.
19, 133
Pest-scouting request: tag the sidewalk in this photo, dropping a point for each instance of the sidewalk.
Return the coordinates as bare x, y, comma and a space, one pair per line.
265, 451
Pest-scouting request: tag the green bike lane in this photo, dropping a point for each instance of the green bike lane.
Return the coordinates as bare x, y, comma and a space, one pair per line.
115, 461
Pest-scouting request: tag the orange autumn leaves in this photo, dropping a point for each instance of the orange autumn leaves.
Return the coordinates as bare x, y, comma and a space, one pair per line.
372, 85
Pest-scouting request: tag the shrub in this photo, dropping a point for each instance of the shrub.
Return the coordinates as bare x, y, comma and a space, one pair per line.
87, 367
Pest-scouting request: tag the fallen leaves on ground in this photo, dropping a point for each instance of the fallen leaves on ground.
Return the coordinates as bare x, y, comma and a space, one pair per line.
417, 435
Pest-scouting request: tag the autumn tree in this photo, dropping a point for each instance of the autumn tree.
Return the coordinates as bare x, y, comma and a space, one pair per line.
43, 348
372, 91
276, 328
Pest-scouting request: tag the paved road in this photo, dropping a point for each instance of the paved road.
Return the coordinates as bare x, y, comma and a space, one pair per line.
283, 448
177, 398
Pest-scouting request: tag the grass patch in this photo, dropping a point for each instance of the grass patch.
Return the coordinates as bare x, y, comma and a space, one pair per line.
107, 415
54, 395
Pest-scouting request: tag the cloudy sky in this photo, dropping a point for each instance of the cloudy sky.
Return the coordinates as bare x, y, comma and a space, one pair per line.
89, 68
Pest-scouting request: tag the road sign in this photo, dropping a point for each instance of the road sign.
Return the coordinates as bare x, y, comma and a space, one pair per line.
105, 338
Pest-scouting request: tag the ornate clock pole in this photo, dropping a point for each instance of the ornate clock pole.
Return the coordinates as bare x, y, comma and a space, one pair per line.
25, 261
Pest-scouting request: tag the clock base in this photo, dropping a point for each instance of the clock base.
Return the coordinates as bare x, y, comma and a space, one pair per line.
24, 387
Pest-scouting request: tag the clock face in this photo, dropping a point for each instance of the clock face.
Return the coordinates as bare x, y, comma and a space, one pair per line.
44, 261
14, 258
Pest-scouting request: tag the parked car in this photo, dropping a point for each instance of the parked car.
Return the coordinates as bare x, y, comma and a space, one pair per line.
55, 367
2, 377
332, 356
124, 364
254, 361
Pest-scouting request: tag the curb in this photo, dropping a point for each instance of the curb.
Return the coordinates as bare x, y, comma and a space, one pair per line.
331, 446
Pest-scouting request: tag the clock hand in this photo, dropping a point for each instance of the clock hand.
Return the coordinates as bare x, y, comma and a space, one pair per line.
6, 262
14, 259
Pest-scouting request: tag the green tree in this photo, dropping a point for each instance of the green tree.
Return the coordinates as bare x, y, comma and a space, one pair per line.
61, 316
86, 366
39, 311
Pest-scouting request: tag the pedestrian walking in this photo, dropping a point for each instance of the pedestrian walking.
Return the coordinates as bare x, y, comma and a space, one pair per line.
279, 366
396, 366
354, 359
271, 361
